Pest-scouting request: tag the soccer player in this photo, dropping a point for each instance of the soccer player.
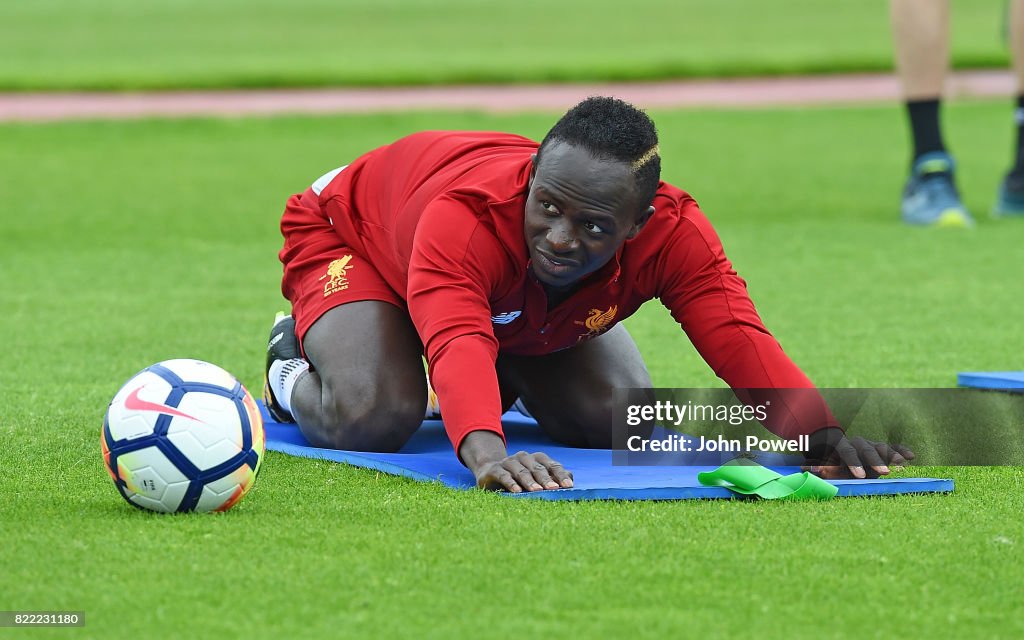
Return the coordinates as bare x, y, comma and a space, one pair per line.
510, 266
921, 38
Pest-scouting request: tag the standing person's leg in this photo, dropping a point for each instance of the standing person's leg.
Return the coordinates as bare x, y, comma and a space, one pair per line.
1010, 199
570, 392
921, 43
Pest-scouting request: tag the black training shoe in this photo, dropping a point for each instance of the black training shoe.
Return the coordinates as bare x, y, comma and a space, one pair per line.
283, 345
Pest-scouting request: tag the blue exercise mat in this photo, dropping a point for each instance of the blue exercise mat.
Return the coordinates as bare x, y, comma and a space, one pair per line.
428, 457
999, 380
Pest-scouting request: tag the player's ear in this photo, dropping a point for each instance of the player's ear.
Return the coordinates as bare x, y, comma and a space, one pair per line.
533, 169
641, 220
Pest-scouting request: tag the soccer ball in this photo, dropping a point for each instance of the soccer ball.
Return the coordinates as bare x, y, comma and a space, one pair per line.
183, 435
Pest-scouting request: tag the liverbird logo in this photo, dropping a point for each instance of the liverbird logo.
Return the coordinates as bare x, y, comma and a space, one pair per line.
337, 274
597, 322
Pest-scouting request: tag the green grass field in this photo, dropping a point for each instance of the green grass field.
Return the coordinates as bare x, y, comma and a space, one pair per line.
127, 243
126, 44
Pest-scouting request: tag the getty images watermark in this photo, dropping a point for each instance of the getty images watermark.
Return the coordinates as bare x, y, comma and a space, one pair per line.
668, 413
698, 427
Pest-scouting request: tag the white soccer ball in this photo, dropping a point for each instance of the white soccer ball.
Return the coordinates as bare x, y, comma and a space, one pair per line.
183, 435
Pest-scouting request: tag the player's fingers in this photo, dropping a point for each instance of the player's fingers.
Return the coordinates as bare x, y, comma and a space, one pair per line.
869, 455
558, 473
499, 479
904, 451
889, 454
522, 473
538, 468
848, 455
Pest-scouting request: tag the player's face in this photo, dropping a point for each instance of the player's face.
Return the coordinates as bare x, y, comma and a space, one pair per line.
579, 211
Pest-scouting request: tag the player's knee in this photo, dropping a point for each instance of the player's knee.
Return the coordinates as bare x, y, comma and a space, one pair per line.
371, 420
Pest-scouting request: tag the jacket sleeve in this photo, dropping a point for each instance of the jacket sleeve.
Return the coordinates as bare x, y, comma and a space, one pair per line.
698, 284
453, 266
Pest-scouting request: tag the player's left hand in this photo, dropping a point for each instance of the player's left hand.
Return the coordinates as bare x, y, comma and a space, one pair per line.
833, 456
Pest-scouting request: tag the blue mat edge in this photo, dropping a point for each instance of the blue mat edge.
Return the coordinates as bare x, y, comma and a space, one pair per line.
847, 488
347, 457
1000, 380
854, 490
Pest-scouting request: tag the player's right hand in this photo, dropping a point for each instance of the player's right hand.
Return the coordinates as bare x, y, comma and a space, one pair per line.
523, 472
485, 455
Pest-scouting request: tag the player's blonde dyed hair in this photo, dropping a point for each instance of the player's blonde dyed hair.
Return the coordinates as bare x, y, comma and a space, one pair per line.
649, 155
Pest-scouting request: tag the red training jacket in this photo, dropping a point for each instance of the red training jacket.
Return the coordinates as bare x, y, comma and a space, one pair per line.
440, 215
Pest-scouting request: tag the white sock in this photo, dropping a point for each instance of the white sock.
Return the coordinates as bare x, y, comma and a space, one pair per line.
433, 411
282, 377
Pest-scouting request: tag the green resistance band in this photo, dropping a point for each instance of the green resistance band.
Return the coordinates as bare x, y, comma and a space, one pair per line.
749, 478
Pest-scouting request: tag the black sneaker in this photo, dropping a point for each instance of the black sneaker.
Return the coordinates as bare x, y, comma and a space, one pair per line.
283, 345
